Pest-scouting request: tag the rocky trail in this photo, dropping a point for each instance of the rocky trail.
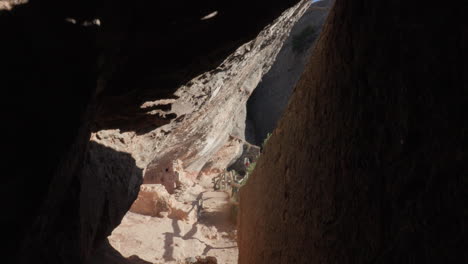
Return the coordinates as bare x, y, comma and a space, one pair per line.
194, 224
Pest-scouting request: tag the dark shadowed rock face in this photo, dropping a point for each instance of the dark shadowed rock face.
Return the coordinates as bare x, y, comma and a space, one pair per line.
75, 79
270, 98
368, 164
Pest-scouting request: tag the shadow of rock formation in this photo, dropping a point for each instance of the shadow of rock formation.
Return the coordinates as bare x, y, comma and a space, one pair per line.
83, 208
270, 98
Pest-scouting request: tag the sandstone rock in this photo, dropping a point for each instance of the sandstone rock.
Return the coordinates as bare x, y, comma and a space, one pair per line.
173, 176
171, 139
154, 200
368, 163
271, 96
213, 106
224, 157
210, 111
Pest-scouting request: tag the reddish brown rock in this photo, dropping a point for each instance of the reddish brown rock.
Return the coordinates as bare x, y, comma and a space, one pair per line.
154, 200
368, 163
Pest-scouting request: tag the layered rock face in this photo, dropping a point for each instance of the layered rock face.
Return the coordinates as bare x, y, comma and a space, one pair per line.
211, 108
368, 164
98, 83
270, 98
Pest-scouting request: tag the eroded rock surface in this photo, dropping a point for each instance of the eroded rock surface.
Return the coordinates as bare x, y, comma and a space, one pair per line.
368, 164
204, 134
214, 105
270, 98
154, 200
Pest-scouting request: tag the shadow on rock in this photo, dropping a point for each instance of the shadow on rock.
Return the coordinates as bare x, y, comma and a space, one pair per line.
85, 203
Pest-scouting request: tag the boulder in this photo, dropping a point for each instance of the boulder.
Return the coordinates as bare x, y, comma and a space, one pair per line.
154, 200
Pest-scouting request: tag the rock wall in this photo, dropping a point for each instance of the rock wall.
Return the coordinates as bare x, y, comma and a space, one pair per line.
270, 98
211, 107
47, 74
86, 84
368, 164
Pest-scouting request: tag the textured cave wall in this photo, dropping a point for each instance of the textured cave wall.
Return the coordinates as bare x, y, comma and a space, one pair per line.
63, 83
47, 74
369, 163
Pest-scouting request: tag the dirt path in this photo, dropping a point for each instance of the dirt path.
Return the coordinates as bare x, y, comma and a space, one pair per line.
147, 239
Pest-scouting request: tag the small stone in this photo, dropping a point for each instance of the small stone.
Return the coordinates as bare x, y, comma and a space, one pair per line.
164, 214
191, 260
211, 260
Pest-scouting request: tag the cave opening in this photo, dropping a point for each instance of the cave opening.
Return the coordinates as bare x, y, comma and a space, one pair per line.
131, 129
103, 85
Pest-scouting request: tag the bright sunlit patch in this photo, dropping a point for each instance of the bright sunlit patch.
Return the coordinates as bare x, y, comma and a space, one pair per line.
86, 23
94, 22
210, 15
97, 22
70, 20
156, 103
9, 4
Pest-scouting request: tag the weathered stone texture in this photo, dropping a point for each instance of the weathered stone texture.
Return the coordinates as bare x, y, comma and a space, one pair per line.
368, 164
